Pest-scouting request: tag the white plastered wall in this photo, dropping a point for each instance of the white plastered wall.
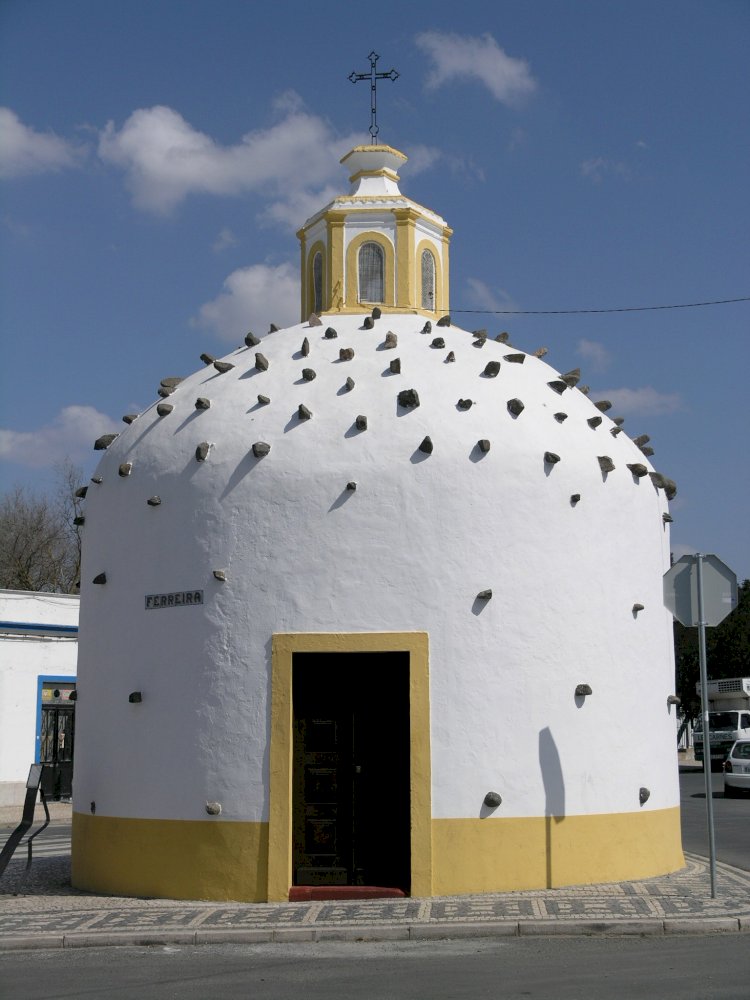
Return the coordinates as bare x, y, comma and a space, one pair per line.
23, 660
409, 549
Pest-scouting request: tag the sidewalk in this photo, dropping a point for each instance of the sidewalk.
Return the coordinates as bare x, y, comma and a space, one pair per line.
42, 910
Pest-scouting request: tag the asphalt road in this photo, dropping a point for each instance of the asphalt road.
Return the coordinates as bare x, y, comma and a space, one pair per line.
616, 968
731, 821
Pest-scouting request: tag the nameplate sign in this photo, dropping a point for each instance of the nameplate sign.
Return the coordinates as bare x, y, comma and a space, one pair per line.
179, 599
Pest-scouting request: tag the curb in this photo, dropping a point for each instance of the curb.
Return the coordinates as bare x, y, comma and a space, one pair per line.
406, 932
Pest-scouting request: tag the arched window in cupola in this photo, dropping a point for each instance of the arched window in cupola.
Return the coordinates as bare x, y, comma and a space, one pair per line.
371, 273
428, 280
317, 271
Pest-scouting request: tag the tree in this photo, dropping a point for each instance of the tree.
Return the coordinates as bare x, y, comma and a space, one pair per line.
727, 651
40, 543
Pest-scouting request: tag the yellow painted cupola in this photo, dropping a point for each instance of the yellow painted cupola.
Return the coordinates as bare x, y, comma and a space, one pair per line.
374, 247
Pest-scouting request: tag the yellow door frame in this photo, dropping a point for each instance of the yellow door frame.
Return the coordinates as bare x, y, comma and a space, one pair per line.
284, 646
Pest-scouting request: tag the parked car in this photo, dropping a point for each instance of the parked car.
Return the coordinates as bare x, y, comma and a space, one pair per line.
737, 769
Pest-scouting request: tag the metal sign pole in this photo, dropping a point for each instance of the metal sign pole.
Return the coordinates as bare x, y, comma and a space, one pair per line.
704, 716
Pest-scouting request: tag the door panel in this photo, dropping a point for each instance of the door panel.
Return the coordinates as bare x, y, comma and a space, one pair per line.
351, 818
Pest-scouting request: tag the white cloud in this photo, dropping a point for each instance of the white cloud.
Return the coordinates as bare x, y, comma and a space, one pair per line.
599, 167
252, 299
25, 151
225, 239
165, 159
645, 402
464, 57
481, 296
71, 434
595, 353
422, 158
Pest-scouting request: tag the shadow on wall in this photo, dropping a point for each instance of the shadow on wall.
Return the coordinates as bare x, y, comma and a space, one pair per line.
554, 791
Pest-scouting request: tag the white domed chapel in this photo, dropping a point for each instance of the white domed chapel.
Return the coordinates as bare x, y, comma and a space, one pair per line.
373, 601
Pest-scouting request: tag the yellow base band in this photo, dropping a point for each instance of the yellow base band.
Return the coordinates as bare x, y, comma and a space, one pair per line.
170, 859
501, 855
229, 860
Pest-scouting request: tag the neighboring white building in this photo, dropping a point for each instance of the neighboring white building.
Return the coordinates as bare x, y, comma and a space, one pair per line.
38, 653
367, 603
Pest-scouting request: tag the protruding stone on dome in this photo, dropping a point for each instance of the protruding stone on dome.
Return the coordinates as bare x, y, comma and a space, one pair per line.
437, 342
125, 469
516, 407
502, 338
263, 400
351, 486
558, 385
314, 320
349, 384
408, 398
208, 359
585, 389
395, 366
251, 340
647, 450
450, 356
465, 404
305, 349
603, 405
484, 445
571, 378
201, 452
641, 440
79, 521
273, 328
594, 422
636, 608
103, 442
129, 418
303, 412
551, 458
484, 595
163, 409
154, 501
515, 359
605, 463
426, 445
369, 323
574, 499
165, 390
670, 488
540, 352
491, 369
97, 479
391, 341
308, 374
614, 431
427, 328
261, 362
444, 321
222, 367
638, 469
171, 382
220, 574
260, 449
361, 422
377, 312
330, 334
667, 518
100, 579
619, 421
202, 403
81, 492
561, 417
346, 354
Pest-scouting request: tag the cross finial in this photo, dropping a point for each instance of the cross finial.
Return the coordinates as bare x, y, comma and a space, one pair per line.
373, 77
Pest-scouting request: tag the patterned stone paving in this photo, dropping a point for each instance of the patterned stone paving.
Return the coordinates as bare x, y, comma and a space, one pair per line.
43, 903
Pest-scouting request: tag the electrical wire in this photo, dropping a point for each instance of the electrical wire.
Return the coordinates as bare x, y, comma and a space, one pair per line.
578, 312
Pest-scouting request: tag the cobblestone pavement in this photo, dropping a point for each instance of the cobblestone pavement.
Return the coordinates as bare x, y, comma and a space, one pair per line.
41, 909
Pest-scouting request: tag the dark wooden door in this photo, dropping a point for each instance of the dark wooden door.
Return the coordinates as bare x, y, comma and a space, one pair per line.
56, 750
351, 815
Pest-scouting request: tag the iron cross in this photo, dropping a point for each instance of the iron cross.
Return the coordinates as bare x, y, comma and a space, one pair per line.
373, 77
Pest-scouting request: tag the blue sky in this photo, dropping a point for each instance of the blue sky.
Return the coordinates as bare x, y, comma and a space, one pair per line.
157, 157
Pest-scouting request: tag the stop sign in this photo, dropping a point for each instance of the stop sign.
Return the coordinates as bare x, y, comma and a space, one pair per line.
681, 590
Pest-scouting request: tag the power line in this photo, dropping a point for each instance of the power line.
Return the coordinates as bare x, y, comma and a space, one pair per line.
572, 312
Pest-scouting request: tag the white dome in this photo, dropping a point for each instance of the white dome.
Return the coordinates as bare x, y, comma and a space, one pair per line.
366, 517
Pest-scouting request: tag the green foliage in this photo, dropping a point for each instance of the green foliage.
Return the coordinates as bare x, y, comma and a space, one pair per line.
727, 651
